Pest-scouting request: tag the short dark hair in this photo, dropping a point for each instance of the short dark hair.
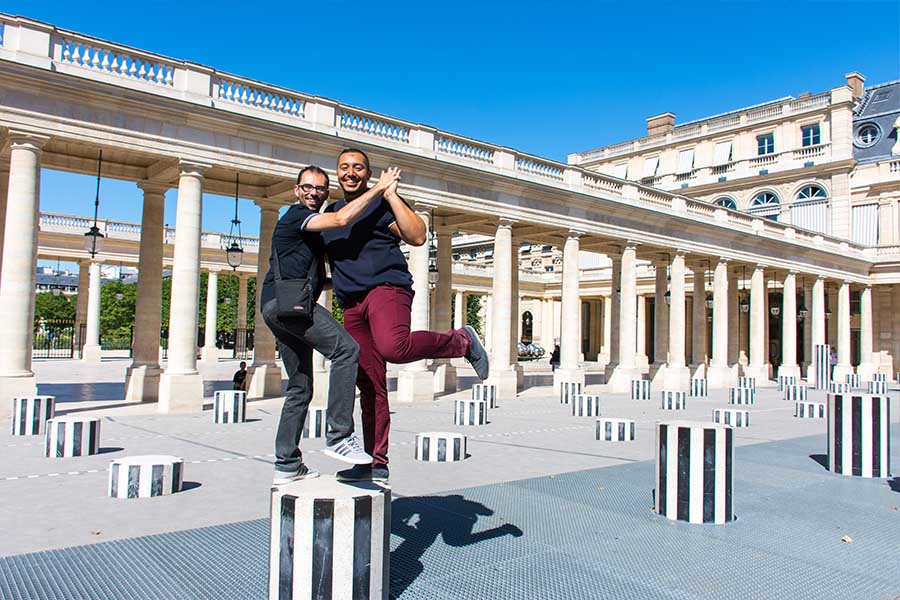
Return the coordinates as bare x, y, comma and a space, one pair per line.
357, 151
313, 169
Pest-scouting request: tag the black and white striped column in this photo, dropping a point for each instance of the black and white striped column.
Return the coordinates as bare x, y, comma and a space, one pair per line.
694, 471
486, 392
699, 388
853, 380
568, 390
145, 476
859, 435
838, 388
72, 436
747, 382
796, 393
315, 424
877, 387
879, 377
822, 355
329, 541
615, 430
440, 446
809, 410
640, 389
741, 395
673, 400
29, 413
786, 380
736, 417
470, 412
230, 406
585, 405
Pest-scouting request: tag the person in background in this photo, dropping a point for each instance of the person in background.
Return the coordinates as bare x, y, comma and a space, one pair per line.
239, 380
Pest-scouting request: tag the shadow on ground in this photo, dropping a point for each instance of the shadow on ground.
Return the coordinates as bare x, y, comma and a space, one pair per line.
420, 520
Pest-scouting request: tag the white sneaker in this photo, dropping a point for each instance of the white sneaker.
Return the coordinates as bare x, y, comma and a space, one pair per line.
348, 450
282, 477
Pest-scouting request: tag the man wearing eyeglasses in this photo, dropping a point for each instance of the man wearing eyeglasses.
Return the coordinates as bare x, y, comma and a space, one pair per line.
374, 287
298, 247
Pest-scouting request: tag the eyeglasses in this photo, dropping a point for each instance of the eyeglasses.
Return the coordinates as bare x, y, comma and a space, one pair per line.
307, 188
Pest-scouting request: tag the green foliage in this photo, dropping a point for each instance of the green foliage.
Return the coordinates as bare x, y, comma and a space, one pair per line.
473, 306
54, 308
337, 312
226, 314
117, 315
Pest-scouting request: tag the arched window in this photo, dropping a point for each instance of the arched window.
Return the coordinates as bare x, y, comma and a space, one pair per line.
726, 202
527, 327
810, 209
766, 204
811, 193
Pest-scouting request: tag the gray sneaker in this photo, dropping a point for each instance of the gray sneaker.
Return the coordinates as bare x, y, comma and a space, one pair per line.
348, 450
304, 472
477, 355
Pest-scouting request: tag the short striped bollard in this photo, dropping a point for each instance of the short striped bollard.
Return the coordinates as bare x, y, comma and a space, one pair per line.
30, 413
809, 410
640, 389
230, 406
859, 435
440, 446
470, 412
736, 417
741, 395
145, 476
72, 436
673, 400
615, 430
486, 392
585, 405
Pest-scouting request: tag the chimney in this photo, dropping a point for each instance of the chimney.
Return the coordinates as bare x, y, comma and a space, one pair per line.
663, 123
856, 80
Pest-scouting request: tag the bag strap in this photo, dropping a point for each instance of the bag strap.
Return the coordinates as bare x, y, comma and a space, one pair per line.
277, 266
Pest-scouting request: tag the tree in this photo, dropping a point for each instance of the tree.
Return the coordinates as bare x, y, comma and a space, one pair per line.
117, 314
473, 308
54, 308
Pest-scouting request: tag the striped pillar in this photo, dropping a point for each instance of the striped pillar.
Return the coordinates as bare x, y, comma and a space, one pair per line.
747, 382
470, 412
72, 436
694, 472
853, 380
823, 366
796, 393
314, 427
859, 435
877, 387
584, 405
145, 476
809, 410
735, 417
230, 406
786, 380
439, 446
567, 390
329, 540
615, 430
673, 400
838, 388
486, 392
29, 413
699, 388
879, 377
640, 389
740, 395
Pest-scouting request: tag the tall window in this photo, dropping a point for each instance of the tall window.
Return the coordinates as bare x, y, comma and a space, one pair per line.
810, 135
527, 327
765, 144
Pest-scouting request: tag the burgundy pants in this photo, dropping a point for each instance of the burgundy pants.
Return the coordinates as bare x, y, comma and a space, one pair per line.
380, 325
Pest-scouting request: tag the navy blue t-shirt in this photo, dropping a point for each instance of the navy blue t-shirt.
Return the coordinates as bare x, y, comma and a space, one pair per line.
365, 254
297, 248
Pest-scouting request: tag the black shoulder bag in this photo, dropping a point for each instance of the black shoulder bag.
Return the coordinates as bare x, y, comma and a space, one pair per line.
294, 297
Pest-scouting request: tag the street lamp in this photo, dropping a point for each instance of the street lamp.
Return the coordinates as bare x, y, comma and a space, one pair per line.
234, 254
93, 239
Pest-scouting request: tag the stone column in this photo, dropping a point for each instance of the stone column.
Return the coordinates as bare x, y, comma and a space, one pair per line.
548, 337
516, 315
607, 327
758, 366
445, 377
91, 350
789, 366
625, 371
817, 324
737, 320
320, 368
641, 341
210, 353
459, 310
867, 366
698, 356
807, 327
19, 256
503, 372
241, 322
181, 385
142, 377
4, 191
613, 314
81, 306
486, 308
720, 374
660, 316
843, 367
570, 326
678, 376
415, 383
265, 374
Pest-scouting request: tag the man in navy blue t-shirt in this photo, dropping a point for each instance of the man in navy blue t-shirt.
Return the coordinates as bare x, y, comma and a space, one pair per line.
374, 287
297, 246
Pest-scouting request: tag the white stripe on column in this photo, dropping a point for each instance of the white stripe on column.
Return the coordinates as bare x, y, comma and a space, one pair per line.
695, 514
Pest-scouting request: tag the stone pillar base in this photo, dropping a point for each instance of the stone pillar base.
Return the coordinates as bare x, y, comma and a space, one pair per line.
866, 371
265, 381
415, 386
698, 371
209, 356
180, 393
721, 377
445, 377
320, 387
789, 371
658, 376
677, 378
643, 363
142, 383
569, 375
840, 372
619, 381
91, 354
507, 382
760, 373
12, 387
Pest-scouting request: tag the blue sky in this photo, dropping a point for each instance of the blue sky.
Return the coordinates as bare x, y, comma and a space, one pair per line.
546, 78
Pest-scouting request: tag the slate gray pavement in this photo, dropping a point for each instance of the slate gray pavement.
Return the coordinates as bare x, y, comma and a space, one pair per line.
540, 509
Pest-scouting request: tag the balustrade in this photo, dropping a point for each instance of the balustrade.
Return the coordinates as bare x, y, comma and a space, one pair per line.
252, 96
89, 54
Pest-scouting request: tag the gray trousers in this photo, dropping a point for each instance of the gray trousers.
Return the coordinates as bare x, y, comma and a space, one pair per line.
297, 338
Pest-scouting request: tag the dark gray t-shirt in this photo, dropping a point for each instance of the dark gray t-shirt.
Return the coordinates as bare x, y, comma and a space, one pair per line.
297, 250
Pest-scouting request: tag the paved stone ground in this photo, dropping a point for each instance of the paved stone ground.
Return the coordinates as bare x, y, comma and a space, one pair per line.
538, 510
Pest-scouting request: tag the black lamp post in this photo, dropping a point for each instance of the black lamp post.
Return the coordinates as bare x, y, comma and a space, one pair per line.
234, 254
93, 239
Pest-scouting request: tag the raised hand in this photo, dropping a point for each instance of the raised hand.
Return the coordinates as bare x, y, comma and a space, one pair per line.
388, 179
